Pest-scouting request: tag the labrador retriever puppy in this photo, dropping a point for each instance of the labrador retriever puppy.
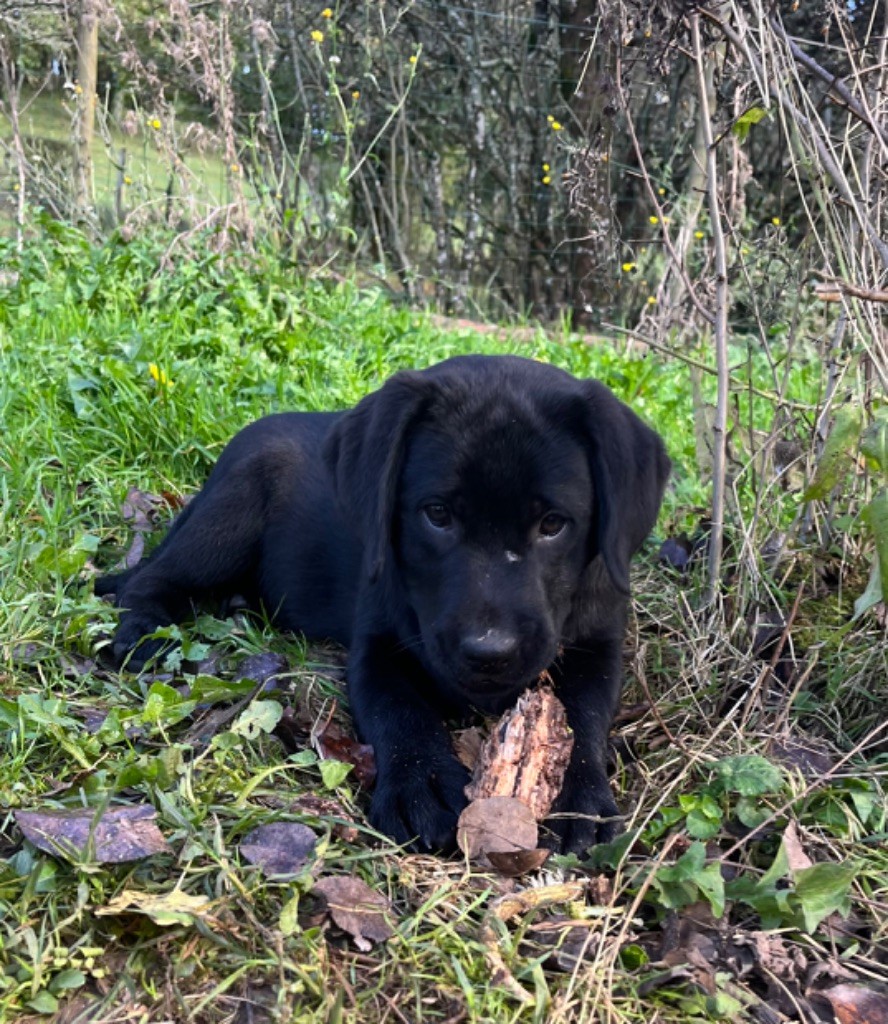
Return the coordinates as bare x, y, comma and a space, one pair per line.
460, 530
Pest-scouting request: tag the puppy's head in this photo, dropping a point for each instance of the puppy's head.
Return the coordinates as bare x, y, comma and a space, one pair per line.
483, 488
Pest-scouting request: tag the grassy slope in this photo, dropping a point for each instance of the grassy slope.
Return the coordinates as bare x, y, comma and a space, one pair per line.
45, 121
84, 419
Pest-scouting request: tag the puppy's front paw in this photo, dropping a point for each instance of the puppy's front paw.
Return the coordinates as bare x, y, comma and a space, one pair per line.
131, 649
582, 817
419, 804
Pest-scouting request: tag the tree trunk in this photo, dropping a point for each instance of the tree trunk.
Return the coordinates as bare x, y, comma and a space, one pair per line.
87, 68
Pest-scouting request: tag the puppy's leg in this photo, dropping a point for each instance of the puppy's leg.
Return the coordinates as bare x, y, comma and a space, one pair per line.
588, 681
420, 786
212, 547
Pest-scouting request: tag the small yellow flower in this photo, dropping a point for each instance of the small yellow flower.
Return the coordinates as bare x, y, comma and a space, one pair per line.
545, 168
546, 180
159, 376
356, 94
235, 168
78, 89
699, 234
326, 13
628, 268
653, 219
556, 126
652, 300
16, 187
154, 123
317, 36
661, 191
775, 221
127, 180
549, 118
413, 58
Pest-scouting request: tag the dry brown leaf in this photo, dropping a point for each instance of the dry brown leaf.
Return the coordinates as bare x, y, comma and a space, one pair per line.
467, 744
334, 743
854, 1004
265, 669
356, 909
513, 863
279, 848
796, 858
326, 807
501, 824
112, 836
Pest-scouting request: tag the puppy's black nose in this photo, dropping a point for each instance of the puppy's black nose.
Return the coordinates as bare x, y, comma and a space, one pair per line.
491, 651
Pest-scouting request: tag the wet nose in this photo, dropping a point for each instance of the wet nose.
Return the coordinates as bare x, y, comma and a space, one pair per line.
489, 652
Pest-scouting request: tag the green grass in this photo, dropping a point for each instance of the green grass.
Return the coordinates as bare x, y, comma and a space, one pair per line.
46, 120
84, 419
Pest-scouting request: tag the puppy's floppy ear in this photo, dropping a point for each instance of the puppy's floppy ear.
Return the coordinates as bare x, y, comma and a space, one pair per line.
364, 453
629, 473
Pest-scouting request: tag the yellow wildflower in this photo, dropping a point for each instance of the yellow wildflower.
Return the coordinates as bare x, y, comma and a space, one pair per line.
326, 13
775, 221
155, 123
699, 234
413, 58
235, 168
652, 300
127, 180
661, 191
317, 36
159, 376
545, 168
653, 219
546, 180
628, 268
356, 94
549, 118
556, 126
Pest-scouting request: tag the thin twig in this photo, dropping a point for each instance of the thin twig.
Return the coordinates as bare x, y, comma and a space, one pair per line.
720, 426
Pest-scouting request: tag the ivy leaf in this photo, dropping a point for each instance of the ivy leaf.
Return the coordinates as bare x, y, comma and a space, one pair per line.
835, 457
334, 772
260, 716
689, 879
822, 890
748, 775
874, 441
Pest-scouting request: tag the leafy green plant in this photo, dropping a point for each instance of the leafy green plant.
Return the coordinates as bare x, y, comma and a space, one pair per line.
849, 433
735, 788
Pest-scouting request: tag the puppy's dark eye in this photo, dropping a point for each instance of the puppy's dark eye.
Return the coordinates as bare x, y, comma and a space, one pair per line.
438, 515
552, 524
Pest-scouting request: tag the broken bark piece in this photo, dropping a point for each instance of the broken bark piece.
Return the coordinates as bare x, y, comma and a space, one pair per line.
526, 754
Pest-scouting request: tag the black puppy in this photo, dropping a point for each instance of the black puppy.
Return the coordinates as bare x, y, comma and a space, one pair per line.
459, 530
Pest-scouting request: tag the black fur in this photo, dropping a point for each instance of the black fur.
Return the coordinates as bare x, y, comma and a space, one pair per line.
459, 530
